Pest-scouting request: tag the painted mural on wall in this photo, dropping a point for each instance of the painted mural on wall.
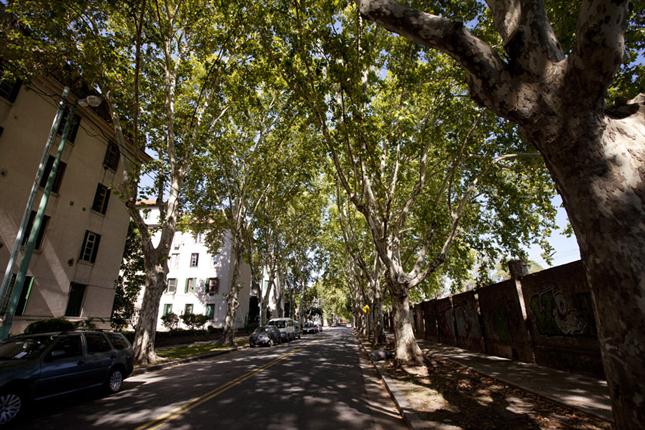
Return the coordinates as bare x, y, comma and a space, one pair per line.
504, 326
559, 308
445, 321
469, 333
556, 314
430, 317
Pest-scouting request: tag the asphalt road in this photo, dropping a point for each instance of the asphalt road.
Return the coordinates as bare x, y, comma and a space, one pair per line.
319, 382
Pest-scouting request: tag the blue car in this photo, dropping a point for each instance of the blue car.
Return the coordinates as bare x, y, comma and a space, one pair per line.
39, 366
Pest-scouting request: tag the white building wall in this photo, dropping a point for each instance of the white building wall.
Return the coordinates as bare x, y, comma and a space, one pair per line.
26, 124
209, 266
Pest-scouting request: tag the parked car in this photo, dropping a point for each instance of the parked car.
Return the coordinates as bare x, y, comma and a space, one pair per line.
267, 335
310, 328
286, 327
39, 366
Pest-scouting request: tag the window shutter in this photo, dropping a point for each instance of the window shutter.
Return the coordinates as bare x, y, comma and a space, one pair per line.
95, 251
87, 233
106, 200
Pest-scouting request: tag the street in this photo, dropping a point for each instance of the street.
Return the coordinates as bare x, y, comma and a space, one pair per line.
318, 382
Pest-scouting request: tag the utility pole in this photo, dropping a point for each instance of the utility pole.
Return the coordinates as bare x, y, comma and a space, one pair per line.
14, 292
6, 280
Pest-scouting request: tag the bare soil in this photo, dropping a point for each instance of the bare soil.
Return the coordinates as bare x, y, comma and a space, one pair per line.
454, 395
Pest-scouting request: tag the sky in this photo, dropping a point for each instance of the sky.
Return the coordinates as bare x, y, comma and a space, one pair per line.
566, 248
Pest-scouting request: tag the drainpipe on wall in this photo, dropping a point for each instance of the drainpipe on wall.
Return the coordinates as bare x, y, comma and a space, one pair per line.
16, 290
6, 280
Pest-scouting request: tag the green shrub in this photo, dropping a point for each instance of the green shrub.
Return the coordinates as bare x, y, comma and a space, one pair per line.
46, 326
194, 320
170, 321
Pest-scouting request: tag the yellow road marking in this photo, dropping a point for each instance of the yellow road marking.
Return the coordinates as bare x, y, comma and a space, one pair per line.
180, 410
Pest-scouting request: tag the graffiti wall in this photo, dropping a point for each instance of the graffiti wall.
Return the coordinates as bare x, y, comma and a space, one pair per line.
419, 325
468, 330
561, 319
430, 317
505, 330
557, 329
446, 321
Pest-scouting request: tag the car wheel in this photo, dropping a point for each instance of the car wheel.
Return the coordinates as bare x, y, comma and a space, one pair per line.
11, 406
114, 381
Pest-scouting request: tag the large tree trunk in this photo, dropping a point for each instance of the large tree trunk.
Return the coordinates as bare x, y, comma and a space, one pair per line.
278, 301
379, 332
144, 338
604, 194
406, 349
379, 329
264, 306
232, 301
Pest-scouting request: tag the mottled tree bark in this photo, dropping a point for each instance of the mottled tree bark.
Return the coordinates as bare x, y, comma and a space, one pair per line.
407, 350
604, 195
146, 329
264, 306
232, 299
596, 156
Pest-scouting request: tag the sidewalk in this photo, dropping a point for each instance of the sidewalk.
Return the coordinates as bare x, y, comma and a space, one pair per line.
577, 391
462, 390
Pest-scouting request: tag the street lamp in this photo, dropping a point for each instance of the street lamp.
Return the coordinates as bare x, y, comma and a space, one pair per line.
91, 101
12, 292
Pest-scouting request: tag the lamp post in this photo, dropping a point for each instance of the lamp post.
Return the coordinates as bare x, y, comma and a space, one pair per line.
10, 294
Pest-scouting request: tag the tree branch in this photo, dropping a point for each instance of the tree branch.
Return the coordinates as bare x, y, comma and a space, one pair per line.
432, 31
600, 42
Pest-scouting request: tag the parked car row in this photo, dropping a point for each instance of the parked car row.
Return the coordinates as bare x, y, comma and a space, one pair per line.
39, 366
279, 330
311, 328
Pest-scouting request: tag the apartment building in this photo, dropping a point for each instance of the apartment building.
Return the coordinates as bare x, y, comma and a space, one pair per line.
80, 243
198, 280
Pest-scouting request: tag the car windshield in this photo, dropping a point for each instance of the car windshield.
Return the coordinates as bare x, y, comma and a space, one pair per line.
24, 348
279, 324
260, 330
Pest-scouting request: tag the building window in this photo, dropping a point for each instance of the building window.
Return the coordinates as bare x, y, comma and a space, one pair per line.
73, 127
190, 285
167, 308
75, 300
58, 180
188, 309
41, 231
194, 259
171, 287
24, 295
90, 246
199, 238
174, 261
9, 88
210, 311
101, 199
213, 286
112, 155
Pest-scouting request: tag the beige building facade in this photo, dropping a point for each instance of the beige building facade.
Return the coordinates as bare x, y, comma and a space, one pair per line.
80, 245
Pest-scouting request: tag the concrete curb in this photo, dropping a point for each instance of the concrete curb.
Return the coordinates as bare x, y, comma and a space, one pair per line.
159, 366
409, 416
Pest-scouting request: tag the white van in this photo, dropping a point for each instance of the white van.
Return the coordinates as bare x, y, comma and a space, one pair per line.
286, 327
